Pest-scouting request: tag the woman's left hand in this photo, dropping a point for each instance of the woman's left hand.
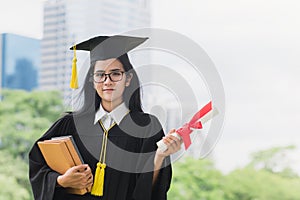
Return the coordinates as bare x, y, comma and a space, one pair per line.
173, 145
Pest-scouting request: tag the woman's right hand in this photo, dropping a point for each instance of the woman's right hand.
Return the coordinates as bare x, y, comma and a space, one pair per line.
78, 177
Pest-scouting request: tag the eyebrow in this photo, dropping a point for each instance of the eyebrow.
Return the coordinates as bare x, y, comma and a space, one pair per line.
112, 70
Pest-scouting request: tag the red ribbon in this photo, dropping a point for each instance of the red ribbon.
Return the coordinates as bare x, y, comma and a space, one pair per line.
194, 123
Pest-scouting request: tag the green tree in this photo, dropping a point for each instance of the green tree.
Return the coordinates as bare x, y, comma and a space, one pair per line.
14, 182
274, 160
24, 117
252, 184
196, 179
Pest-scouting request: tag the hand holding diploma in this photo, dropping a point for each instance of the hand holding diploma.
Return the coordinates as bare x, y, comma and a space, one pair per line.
174, 145
201, 117
172, 142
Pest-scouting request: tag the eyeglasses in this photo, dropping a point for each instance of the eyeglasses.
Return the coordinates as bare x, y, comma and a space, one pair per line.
100, 77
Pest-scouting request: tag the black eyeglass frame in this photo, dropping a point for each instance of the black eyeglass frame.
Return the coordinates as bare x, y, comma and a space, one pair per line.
108, 75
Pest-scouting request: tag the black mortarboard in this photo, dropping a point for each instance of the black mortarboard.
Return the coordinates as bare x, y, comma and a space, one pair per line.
105, 47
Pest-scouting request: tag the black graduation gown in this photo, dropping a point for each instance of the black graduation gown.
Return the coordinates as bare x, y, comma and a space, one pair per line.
126, 177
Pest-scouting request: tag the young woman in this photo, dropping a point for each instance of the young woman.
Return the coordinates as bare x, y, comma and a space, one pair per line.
109, 129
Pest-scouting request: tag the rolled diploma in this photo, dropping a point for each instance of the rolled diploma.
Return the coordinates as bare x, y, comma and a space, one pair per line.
163, 147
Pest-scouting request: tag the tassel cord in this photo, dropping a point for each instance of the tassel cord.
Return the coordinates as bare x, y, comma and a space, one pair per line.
103, 148
98, 185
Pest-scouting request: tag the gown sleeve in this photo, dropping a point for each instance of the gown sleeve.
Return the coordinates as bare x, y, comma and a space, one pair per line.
144, 189
42, 178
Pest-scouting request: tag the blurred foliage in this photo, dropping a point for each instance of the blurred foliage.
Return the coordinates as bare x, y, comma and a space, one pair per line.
25, 116
14, 182
249, 184
266, 177
274, 160
196, 179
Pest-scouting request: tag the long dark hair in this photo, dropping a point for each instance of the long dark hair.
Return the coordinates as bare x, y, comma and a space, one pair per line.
131, 95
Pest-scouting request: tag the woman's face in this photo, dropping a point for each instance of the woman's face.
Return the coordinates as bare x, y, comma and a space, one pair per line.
111, 92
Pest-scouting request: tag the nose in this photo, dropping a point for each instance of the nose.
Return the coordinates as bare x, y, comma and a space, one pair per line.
107, 79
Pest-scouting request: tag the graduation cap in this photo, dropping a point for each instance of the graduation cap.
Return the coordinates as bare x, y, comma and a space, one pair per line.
104, 47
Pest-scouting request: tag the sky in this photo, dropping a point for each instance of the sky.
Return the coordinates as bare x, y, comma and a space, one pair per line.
22, 17
254, 45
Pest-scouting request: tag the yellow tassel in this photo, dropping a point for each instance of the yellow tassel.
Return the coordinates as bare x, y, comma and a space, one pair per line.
97, 189
74, 79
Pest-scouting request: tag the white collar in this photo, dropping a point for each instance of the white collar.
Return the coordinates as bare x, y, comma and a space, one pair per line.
117, 114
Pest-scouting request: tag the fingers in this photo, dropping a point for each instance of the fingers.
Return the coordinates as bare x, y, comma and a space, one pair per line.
89, 176
170, 139
172, 131
79, 176
80, 168
173, 143
86, 181
87, 171
90, 181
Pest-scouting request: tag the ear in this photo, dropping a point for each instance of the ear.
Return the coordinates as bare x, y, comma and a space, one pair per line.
128, 79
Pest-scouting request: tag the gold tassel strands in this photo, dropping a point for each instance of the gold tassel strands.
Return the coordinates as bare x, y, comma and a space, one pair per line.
74, 78
98, 185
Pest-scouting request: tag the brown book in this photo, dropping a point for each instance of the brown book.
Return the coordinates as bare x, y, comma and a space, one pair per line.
60, 154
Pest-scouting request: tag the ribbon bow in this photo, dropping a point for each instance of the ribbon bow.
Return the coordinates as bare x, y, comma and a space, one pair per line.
194, 123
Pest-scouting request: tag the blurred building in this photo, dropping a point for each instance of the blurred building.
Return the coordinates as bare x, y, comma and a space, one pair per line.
19, 62
69, 21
